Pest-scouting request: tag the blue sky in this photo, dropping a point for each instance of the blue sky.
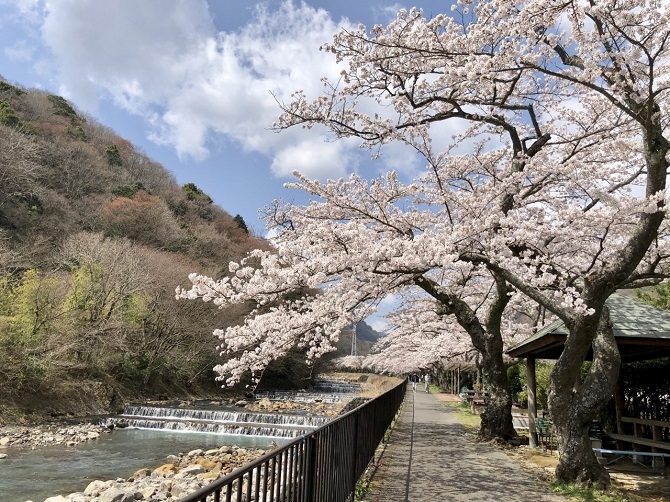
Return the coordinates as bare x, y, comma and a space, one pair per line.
191, 83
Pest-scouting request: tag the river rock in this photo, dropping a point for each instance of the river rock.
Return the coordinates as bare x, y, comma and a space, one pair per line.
47, 435
164, 471
191, 470
146, 492
141, 473
58, 498
116, 495
208, 465
95, 487
164, 487
179, 491
209, 476
3, 455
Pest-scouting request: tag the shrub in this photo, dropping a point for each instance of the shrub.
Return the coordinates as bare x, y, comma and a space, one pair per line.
194, 193
8, 116
59, 106
128, 191
5, 87
113, 156
77, 132
241, 223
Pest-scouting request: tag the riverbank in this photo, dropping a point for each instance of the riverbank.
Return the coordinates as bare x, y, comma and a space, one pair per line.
183, 473
40, 436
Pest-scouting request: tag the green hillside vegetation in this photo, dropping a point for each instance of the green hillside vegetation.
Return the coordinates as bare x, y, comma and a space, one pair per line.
94, 238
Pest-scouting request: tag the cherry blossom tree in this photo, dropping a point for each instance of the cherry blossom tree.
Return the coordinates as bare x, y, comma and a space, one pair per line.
418, 337
562, 192
555, 186
422, 334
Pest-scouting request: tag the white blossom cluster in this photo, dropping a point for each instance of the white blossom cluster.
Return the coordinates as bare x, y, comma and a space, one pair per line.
554, 184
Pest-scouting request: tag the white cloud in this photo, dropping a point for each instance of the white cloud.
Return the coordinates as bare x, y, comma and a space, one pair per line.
117, 48
20, 51
315, 159
402, 159
28, 10
165, 61
379, 325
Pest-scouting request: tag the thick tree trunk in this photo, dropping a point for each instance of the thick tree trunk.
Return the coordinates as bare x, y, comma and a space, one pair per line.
497, 418
577, 462
487, 339
572, 409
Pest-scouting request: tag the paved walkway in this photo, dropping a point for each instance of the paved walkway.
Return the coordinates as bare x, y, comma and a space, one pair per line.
429, 459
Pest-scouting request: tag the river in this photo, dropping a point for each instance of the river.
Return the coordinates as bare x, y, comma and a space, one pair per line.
60, 470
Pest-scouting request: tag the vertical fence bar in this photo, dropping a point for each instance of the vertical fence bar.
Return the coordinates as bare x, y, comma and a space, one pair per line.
265, 480
257, 483
354, 454
287, 476
310, 469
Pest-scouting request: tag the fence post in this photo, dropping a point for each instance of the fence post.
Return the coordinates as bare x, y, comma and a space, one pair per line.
310, 468
354, 454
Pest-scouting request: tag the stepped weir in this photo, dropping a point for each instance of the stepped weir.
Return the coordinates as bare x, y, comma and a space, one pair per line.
226, 421
216, 422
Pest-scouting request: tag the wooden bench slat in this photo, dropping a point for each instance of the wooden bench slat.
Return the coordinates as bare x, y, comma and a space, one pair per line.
644, 421
638, 440
632, 453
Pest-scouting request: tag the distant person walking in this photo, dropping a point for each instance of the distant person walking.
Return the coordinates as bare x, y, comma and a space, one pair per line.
427, 380
414, 379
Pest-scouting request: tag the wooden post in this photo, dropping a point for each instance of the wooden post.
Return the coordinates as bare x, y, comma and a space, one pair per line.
618, 405
532, 402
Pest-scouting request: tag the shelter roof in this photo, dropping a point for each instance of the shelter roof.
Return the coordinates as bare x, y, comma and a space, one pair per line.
640, 330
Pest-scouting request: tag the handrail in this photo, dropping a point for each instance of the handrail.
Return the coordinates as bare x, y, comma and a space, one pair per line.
321, 466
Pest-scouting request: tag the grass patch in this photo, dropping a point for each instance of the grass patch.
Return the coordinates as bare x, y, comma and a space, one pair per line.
462, 411
589, 494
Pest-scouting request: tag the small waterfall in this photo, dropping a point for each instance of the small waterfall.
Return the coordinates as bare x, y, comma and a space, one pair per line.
216, 422
325, 390
302, 397
335, 386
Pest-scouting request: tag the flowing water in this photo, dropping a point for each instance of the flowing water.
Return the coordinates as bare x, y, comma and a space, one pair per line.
60, 470
216, 421
148, 436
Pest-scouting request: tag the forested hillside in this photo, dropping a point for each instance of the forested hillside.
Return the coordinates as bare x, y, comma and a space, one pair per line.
94, 238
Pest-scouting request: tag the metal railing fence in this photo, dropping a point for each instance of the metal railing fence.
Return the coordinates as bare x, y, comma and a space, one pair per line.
322, 466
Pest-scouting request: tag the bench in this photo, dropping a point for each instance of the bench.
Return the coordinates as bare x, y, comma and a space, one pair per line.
545, 432
476, 398
633, 454
640, 440
520, 422
637, 438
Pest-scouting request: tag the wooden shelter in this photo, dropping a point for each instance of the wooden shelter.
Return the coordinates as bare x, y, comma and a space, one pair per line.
641, 332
